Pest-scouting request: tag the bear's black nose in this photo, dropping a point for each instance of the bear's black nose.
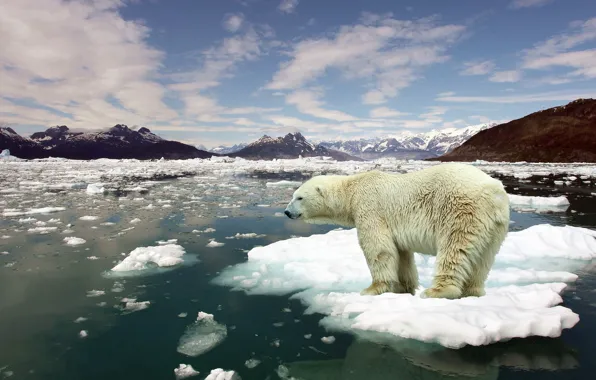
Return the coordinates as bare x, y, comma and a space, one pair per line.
287, 214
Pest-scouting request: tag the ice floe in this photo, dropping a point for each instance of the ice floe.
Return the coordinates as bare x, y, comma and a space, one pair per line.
202, 336
221, 374
185, 371
327, 271
151, 259
539, 204
71, 240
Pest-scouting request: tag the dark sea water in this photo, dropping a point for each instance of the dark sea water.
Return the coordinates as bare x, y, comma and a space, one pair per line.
44, 288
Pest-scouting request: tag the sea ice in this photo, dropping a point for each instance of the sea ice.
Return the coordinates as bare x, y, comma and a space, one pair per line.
184, 371
43, 210
95, 188
539, 204
214, 244
327, 271
71, 240
220, 374
140, 258
88, 217
283, 184
202, 336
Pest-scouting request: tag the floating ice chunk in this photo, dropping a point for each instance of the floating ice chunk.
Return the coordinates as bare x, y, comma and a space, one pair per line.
283, 183
249, 235
214, 244
95, 293
80, 319
88, 217
220, 374
328, 339
95, 188
539, 204
170, 241
71, 240
184, 371
42, 230
43, 210
329, 270
252, 363
166, 255
131, 305
83, 334
202, 336
92, 258
135, 220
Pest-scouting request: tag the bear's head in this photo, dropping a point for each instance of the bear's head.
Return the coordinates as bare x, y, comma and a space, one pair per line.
314, 200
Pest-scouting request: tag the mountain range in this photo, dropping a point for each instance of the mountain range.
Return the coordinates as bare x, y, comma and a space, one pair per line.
559, 134
118, 142
404, 146
291, 145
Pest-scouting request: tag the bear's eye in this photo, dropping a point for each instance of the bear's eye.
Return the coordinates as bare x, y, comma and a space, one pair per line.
299, 198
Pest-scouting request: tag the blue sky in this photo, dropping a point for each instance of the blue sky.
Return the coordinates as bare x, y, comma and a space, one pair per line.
227, 71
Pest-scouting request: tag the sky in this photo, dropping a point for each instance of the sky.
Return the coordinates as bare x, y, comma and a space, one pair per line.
211, 72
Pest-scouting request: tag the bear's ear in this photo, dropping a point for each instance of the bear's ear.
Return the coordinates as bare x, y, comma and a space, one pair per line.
319, 190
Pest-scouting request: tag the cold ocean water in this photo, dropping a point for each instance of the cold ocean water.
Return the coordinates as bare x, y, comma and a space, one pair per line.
65, 314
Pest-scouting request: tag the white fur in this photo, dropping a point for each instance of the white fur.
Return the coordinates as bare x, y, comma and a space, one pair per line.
454, 211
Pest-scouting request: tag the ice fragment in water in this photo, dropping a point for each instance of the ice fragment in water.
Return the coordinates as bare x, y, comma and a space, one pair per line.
163, 256
184, 371
220, 374
202, 336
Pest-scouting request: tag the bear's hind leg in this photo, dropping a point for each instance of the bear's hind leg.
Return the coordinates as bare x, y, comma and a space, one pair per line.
407, 273
453, 267
382, 259
474, 286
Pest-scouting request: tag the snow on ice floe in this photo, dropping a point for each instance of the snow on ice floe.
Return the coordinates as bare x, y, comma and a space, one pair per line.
202, 336
145, 260
327, 272
71, 240
539, 204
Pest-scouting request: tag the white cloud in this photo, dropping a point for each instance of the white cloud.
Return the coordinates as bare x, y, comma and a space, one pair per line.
517, 4
477, 68
233, 22
288, 6
80, 52
386, 50
555, 52
508, 76
307, 102
521, 98
384, 112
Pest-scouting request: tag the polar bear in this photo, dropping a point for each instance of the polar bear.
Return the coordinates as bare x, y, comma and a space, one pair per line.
453, 211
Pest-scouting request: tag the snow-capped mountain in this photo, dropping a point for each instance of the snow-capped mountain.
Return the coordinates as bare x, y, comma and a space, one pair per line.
292, 145
222, 149
116, 142
408, 145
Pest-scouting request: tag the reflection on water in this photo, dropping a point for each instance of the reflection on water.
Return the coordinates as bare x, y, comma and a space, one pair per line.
410, 360
45, 300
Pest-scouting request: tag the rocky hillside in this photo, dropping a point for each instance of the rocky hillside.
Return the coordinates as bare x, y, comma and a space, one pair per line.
408, 145
20, 146
117, 142
560, 134
292, 145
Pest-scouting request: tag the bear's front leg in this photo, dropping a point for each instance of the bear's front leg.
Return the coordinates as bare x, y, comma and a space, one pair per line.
382, 259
